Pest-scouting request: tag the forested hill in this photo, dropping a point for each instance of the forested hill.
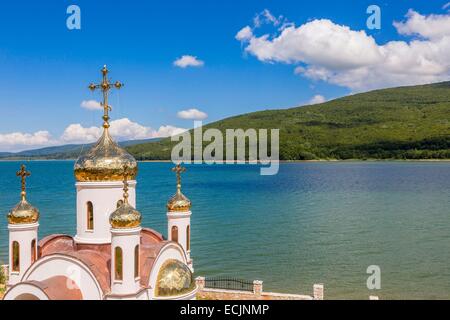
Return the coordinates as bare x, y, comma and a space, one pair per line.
399, 123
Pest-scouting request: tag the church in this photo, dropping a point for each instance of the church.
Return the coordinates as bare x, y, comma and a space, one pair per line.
112, 256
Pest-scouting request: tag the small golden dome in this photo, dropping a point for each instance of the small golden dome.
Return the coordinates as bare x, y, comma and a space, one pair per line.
179, 203
125, 217
23, 213
105, 162
174, 279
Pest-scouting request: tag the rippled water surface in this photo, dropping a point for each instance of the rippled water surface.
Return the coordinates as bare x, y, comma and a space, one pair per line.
311, 223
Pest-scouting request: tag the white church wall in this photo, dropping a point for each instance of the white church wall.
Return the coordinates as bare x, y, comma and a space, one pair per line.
181, 220
25, 291
104, 197
127, 240
75, 270
24, 234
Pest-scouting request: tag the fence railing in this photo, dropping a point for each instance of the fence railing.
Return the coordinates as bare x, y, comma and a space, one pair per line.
229, 284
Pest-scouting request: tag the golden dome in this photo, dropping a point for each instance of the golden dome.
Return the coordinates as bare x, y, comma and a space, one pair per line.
174, 279
125, 216
105, 162
179, 203
23, 213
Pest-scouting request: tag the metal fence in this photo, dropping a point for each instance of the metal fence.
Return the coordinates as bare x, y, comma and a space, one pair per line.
229, 284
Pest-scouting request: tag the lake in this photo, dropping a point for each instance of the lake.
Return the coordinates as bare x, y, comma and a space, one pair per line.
311, 223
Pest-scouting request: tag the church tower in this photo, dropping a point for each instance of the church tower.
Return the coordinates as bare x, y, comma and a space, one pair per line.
179, 218
125, 250
23, 223
99, 175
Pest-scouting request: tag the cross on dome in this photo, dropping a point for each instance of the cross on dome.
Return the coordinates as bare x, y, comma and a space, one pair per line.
23, 174
105, 86
178, 169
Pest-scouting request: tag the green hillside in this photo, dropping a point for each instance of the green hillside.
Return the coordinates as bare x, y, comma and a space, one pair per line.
399, 123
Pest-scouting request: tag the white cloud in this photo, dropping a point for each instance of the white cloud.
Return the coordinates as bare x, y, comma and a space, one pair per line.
76, 133
244, 34
317, 99
266, 17
18, 141
121, 129
324, 51
429, 27
188, 61
91, 105
318, 42
168, 131
446, 6
192, 114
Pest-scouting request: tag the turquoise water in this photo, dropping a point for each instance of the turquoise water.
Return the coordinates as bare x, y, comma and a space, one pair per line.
311, 223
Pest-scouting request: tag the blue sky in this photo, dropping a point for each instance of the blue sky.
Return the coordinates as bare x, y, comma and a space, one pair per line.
45, 68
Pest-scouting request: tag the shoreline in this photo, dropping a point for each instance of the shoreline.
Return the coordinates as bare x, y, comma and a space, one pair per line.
256, 162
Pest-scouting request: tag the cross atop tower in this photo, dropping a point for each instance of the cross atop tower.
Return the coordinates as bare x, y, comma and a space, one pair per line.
178, 169
23, 174
105, 86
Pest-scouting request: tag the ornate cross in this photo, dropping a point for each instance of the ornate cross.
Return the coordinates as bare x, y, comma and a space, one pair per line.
178, 169
23, 174
105, 86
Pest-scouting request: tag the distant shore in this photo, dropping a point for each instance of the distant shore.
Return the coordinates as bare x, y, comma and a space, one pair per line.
253, 162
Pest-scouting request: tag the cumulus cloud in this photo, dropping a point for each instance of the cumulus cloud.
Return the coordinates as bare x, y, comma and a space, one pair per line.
244, 34
91, 105
192, 114
121, 129
17, 141
76, 133
325, 51
169, 131
188, 61
317, 99
428, 27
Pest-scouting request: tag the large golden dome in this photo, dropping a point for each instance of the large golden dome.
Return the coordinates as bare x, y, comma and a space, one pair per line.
23, 213
105, 162
174, 279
